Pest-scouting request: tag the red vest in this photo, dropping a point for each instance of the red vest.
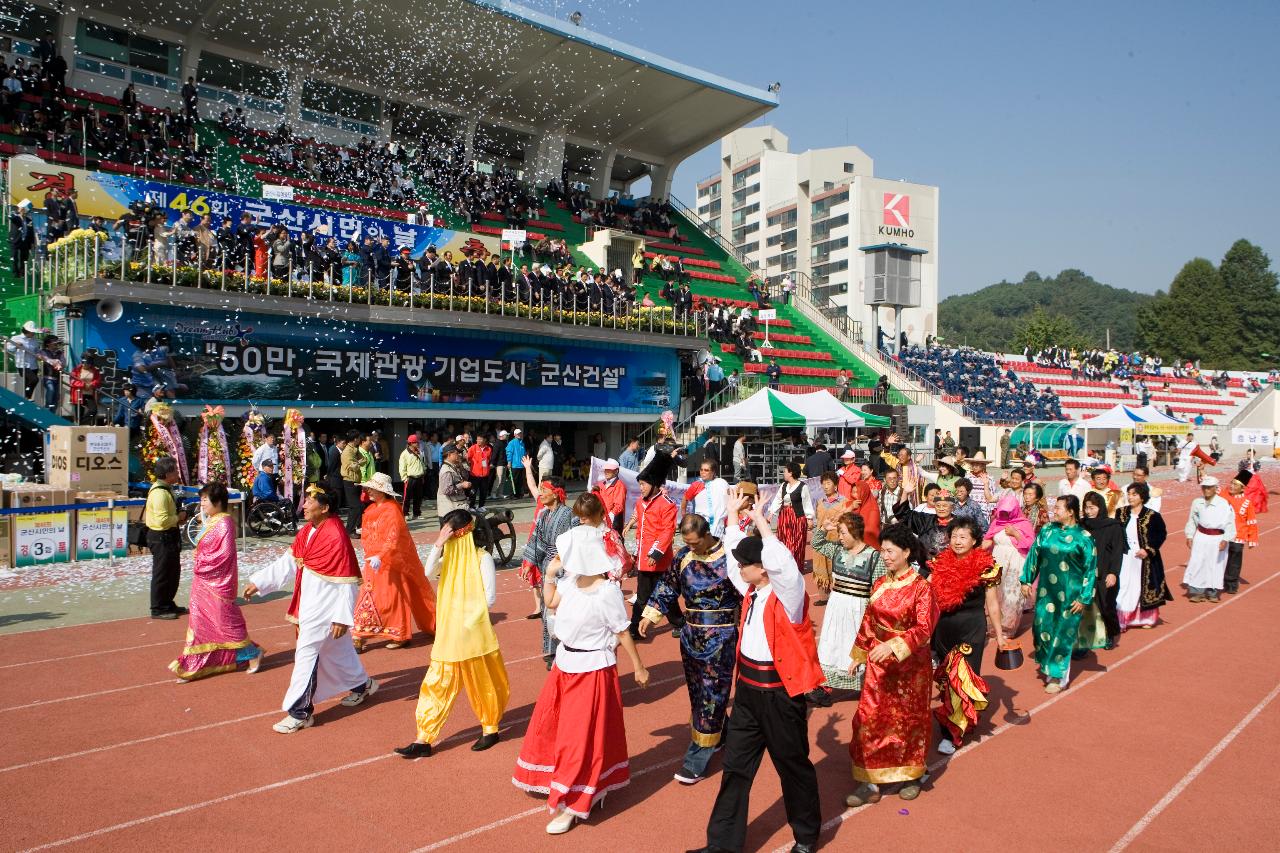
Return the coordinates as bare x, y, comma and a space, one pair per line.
794, 647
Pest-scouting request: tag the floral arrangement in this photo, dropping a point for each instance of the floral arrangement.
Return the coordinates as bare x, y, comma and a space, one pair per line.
77, 235
214, 454
294, 445
252, 435
163, 439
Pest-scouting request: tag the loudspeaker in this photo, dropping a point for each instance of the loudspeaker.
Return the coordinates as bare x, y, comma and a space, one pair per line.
970, 439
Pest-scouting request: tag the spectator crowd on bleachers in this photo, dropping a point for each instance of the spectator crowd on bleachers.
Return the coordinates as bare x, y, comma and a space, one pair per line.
976, 378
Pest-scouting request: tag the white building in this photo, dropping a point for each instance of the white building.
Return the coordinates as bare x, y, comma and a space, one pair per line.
867, 244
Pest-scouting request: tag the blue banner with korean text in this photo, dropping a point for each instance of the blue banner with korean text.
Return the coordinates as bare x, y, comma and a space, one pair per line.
220, 357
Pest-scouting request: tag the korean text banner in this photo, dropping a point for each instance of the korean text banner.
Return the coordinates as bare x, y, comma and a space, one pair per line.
109, 196
214, 356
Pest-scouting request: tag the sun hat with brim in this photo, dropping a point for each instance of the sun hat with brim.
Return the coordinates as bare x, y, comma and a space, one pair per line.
978, 458
379, 482
611, 465
1209, 483
31, 328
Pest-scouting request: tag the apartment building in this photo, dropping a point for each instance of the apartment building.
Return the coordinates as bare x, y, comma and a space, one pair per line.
868, 245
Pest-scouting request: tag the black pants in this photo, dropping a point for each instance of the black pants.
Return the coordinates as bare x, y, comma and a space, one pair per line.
166, 568
355, 508
19, 256
765, 720
335, 485
1107, 605
646, 582
1235, 560
480, 487
30, 381
413, 496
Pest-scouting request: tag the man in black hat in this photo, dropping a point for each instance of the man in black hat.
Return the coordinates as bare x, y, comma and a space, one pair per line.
655, 524
777, 665
1246, 529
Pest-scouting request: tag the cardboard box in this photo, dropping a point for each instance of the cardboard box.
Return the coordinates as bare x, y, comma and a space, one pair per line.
35, 495
89, 458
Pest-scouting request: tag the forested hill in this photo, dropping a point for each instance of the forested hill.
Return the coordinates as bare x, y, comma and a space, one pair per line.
1075, 310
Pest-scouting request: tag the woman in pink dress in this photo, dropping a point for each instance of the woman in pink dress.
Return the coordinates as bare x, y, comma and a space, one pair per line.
217, 640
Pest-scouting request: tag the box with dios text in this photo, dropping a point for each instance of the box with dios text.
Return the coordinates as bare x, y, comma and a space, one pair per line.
89, 458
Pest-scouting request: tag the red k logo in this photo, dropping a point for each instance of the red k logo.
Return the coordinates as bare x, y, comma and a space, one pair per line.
64, 181
897, 210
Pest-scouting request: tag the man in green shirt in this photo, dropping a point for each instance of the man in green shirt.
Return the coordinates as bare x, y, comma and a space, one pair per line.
357, 467
162, 518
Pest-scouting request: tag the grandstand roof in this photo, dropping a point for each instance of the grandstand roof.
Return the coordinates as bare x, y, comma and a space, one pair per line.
510, 65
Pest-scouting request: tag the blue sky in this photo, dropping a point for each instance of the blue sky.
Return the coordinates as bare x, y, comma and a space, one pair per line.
1122, 139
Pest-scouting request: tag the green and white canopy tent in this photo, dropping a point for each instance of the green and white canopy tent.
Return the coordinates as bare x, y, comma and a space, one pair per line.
769, 409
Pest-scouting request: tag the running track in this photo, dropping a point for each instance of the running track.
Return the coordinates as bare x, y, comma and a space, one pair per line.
1167, 742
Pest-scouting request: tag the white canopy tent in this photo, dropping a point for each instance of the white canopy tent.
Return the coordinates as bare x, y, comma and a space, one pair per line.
779, 410
1142, 420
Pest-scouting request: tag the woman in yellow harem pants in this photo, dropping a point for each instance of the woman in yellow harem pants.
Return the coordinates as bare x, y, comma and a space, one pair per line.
465, 653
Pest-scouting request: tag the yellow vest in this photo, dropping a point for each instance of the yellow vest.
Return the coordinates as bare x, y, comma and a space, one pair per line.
463, 629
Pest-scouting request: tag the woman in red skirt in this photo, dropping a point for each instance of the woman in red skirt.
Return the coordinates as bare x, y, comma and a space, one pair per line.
575, 749
792, 512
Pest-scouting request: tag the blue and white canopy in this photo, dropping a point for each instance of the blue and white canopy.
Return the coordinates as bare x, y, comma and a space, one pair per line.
1131, 417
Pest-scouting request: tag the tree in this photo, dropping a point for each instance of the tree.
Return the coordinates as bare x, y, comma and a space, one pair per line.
1250, 286
1042, 330
1193, 320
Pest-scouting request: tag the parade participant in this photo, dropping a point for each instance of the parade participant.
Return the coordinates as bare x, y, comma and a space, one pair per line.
1246, 529
465, 652
1142, 585
893, 502
1109, 541
750, 494
966, 586
1140, 475
1101, 484
948, 473
850, 473
931, 528
705, 497
912, 477
1072, 483
322, 565
1210, 528
1009, 539
708, 639
830, 507
394, 583
855, 568
891, 726
777, 666
1256, 491
1034, 506
613, 494
575, 748
792, 509
967, 507
655, 524
552, 520
1188, 452
1064, 561
217, 639
865, 503
985, 487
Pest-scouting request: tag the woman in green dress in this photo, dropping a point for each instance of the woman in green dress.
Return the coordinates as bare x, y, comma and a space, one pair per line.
1065, 561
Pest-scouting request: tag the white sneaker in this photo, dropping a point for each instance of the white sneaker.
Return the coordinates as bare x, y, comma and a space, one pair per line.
632, 599
289, 725
560, 824
946, 747
351, 700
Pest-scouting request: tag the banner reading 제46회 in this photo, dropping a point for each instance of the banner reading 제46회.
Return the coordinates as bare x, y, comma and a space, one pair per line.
109, 196
228, 357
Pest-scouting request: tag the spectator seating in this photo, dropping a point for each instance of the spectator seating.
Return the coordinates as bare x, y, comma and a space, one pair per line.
977, 380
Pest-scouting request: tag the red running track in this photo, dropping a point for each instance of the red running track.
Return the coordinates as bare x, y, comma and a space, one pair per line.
1164, 743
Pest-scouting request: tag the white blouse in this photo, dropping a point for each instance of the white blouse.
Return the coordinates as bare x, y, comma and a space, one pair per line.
589, 620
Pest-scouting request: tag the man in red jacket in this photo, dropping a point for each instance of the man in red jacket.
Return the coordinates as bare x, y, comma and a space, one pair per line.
655, 523
777, 665
613, 494
480, 457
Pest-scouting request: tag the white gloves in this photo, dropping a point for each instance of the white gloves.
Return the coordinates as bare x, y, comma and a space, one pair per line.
375, 563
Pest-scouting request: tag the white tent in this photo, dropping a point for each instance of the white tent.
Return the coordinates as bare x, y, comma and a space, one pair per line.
779, 410
1129, 417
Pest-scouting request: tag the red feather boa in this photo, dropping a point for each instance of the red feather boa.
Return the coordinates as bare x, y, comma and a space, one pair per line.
954, 577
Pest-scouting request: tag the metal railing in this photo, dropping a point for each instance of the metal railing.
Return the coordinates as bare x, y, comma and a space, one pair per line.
82, 259
748, 384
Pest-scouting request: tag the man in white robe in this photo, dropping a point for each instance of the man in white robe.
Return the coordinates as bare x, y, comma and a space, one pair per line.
1210, 527
326, 579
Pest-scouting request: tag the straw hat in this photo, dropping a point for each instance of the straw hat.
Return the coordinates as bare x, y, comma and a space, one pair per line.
379, 482
949, 461
978, 458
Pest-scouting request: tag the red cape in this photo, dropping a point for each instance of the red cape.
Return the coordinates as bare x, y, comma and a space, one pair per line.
329, 553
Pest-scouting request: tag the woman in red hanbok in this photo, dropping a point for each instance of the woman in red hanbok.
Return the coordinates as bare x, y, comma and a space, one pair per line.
217, 640
892, 724
792, 512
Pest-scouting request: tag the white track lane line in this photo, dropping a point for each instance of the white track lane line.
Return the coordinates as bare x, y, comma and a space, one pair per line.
1174, 792
149, 738
284, 783
1076, 687
121, 649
